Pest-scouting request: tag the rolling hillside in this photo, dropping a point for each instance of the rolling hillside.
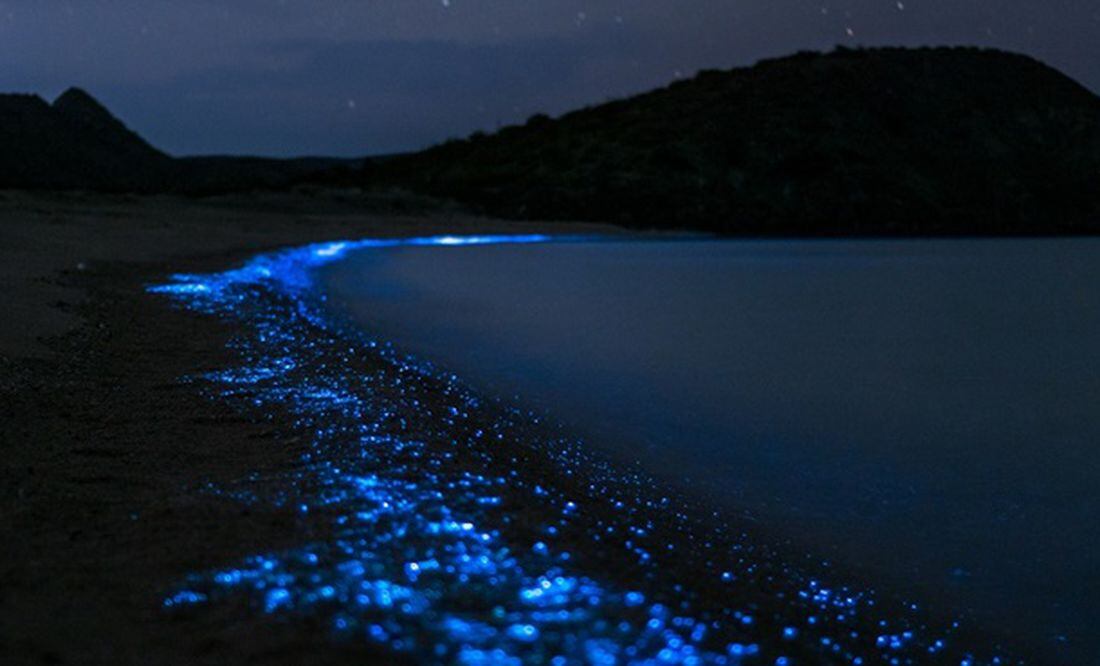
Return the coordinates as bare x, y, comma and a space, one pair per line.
884, 141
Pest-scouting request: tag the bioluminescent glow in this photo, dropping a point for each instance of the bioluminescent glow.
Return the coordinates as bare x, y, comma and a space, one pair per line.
435, 542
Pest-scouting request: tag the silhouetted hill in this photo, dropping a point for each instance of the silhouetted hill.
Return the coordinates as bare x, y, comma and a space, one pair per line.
221, 174
870, 141
73, 143
95, 123
76, 143
881, 141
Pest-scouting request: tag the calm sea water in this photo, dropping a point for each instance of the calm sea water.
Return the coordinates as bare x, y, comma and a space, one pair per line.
924, 412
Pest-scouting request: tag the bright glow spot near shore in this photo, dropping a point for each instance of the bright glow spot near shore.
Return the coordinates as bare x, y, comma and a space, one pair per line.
330, 250
183, 288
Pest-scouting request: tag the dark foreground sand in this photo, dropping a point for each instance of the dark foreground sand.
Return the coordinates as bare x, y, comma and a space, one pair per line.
102, 447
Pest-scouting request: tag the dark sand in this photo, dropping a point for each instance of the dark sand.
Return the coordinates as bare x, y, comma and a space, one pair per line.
103, 447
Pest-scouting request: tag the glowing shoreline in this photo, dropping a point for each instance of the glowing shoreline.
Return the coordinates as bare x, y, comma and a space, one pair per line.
400, 466
291, 268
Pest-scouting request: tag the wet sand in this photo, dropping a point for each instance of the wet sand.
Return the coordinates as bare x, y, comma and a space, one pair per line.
107, 453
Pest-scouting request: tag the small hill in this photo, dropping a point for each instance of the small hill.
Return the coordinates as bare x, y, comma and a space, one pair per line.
87, 116
215, 174
880, 141
75, 143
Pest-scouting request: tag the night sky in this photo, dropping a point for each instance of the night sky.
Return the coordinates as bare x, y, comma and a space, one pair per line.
354, 77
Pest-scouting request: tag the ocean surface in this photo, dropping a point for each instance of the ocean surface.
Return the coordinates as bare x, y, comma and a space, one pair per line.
923, 413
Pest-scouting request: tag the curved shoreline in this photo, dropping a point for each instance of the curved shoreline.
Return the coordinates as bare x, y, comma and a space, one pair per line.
539, 592
106, 450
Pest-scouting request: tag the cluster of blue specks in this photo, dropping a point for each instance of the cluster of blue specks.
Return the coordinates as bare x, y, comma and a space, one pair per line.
437, 545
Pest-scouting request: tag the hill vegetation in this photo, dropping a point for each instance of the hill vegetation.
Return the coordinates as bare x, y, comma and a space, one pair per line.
883, 141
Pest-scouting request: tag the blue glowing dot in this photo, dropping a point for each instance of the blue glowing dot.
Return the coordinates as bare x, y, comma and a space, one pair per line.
185, 598
276, 599
523, 632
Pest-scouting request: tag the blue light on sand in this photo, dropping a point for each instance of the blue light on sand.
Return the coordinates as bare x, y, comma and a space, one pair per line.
406, 477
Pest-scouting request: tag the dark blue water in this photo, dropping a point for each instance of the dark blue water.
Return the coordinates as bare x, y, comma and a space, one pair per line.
926, 412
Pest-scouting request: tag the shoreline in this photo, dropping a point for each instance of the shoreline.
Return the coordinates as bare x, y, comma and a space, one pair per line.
108, 484
893, 489
97, 427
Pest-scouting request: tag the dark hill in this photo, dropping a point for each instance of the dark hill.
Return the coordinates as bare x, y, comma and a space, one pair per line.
93, 120
76, 143
871, 141
222, 173
73, 143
